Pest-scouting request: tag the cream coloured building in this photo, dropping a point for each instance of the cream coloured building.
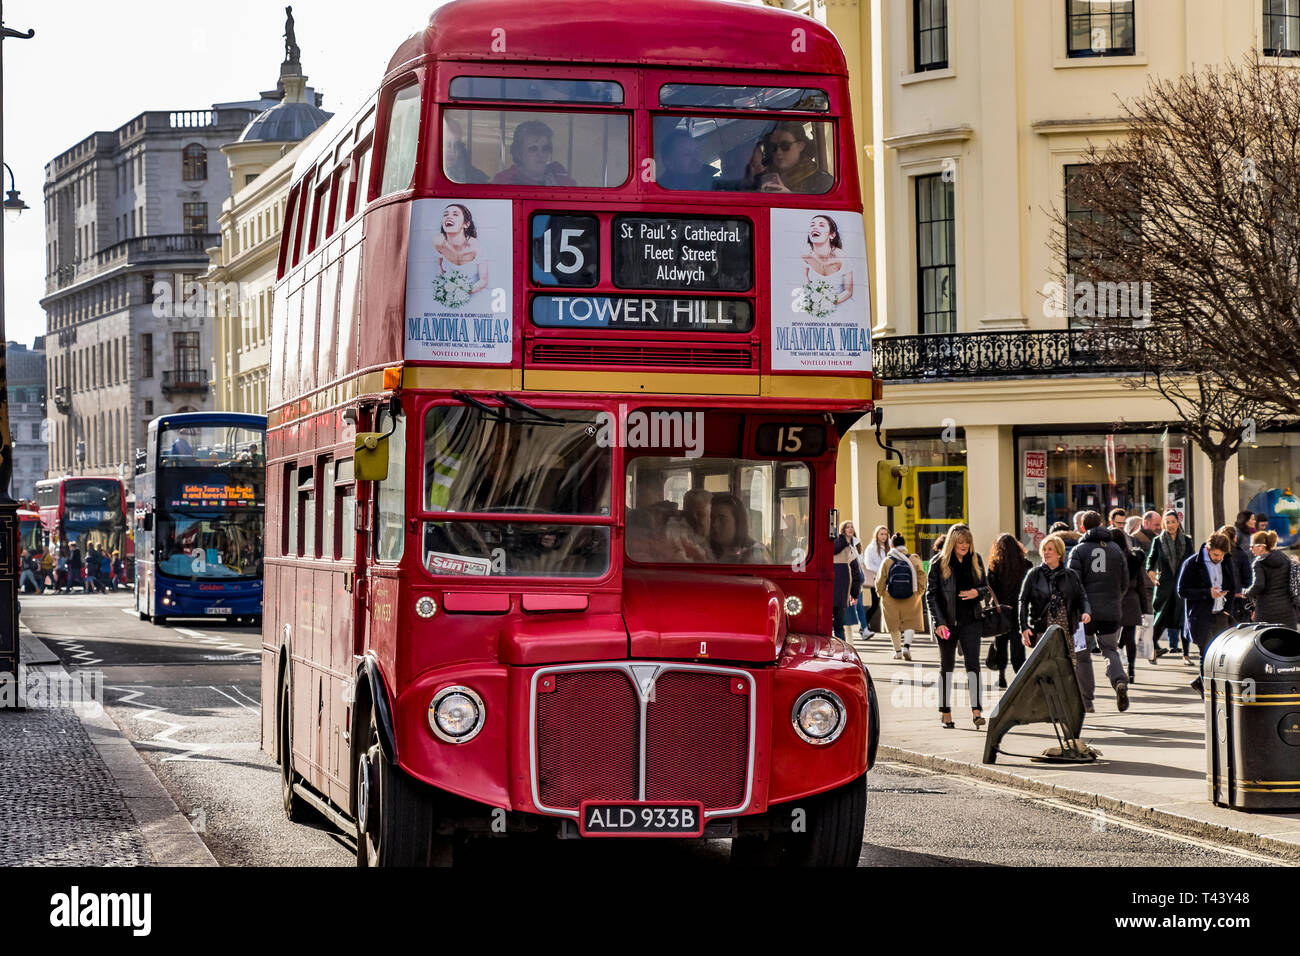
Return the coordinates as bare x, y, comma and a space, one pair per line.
242, 272
976, 111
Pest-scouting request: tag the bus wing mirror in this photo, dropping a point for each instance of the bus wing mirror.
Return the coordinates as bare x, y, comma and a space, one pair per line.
371, 456
889, 483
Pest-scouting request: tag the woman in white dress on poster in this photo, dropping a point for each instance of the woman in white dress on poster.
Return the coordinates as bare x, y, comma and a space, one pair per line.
458, 247
825, 258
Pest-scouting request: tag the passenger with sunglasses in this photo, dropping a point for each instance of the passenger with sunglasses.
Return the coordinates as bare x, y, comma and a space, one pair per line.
531, 148
791, 163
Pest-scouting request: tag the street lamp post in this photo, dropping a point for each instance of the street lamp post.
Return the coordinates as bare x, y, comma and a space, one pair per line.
8, 507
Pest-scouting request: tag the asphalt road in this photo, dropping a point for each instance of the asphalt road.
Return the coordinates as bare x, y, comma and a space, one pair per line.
187, 696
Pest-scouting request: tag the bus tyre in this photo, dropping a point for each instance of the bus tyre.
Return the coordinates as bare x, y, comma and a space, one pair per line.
295, 808
143, 616
831, 831
395, 814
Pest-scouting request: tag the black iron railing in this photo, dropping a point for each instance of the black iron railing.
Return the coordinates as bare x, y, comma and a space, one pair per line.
185, 380
1054, 352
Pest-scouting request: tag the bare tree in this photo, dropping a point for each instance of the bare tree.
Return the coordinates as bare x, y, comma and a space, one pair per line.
1180, 241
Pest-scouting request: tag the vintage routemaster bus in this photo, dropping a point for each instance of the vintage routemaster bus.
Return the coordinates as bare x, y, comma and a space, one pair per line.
83, 511
200, 499
571, 318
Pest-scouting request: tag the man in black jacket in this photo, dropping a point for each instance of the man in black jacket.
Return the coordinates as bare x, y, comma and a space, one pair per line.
1103, 568
1207, 583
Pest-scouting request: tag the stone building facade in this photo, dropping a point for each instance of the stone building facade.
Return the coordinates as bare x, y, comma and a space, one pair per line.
25, 376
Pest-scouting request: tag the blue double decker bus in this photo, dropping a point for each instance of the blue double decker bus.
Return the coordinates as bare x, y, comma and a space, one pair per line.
200, 501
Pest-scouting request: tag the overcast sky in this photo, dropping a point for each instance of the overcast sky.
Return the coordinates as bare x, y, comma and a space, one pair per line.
93, 65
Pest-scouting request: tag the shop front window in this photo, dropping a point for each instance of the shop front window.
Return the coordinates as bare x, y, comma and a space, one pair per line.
935, 493
1061, 475
1269, 483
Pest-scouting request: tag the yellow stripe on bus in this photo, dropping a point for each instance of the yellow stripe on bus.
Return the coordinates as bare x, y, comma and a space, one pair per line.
841, 387
634, 383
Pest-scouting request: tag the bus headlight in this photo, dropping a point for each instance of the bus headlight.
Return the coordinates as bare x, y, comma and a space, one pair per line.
456, 714
167, 597
426, 607
818, 716
793, 605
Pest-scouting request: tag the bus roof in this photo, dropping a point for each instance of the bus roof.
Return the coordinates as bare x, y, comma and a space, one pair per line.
211, 418
704, 34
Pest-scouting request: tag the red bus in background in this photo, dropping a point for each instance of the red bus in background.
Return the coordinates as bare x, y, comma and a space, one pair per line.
84, 510
571, 318
31, 535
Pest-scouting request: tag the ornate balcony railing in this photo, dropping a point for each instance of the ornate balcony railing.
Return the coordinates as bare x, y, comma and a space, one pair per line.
967, 355
185, 380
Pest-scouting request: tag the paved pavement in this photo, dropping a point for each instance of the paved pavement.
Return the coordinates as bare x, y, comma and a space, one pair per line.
73, 790
1152, 765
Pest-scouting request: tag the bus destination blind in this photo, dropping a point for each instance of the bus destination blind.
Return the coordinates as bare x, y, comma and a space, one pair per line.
642, 313
691, 255
217, 496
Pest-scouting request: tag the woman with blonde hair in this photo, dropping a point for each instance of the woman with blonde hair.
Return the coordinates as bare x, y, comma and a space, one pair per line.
953, 596
872, 556
1270, 582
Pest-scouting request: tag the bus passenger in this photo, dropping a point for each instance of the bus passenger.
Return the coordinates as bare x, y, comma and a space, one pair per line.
531, 149
696, 505
680, 544
455, 156
680, 165
640, 536
792, 167
729, 532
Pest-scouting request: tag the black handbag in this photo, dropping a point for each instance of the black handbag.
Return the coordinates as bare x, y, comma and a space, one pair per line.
995, 618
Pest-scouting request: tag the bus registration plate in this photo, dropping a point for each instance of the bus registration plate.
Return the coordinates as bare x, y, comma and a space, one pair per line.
217, 610
641, 819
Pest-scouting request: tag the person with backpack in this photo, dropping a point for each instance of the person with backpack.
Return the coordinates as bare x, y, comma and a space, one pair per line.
953, 593
1206, 584
1007, 569
873, 555
901, 586
1103, 568
1137, 598
1270, 584
846, 586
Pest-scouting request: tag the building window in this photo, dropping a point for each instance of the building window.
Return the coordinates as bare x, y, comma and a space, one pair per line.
936, 255
146, 355
1282, 27
196, 217
929, 35
1099, 27
148, 407
1114, 296
194, 164
186, 345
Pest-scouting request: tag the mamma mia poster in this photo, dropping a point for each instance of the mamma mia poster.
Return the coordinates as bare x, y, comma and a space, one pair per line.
458, 281
821, 310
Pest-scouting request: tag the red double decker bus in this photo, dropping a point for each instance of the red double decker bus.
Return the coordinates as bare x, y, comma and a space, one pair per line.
571, 318
83, 511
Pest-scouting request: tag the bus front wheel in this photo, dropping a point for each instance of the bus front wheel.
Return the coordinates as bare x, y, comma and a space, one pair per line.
396, 815
822, 830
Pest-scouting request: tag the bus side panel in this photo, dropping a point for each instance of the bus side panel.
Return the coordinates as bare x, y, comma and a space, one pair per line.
270, 650
304, 676
341, 620
324, 715
383, 284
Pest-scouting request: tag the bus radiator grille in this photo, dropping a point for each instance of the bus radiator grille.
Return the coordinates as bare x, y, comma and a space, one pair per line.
587, 733
589, 740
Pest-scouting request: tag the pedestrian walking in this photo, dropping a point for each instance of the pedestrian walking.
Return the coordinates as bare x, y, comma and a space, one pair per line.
106, 571
1151, 526
847, 584
47, 569
1103, 568
1137, 599
1169, 550
1052, 594
29, 568
1007, 569
873, 555
62, 578
76, 570
91, 564
953, 597
1239, 559
1116, 518
1270, 584
119, 569
901, 586
1206, 584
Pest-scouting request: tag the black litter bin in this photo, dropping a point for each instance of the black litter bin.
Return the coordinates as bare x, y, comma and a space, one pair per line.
1252, 717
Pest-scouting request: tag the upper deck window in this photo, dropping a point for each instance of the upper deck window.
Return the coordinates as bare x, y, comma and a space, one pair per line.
403, 137
524, 148
763, 98
535, 90
734, 153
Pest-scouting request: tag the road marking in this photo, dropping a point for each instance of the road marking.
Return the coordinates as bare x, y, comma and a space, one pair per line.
83, 657
128, 610
1091, 813
246, 697
188, 633
254, 710
163, 737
